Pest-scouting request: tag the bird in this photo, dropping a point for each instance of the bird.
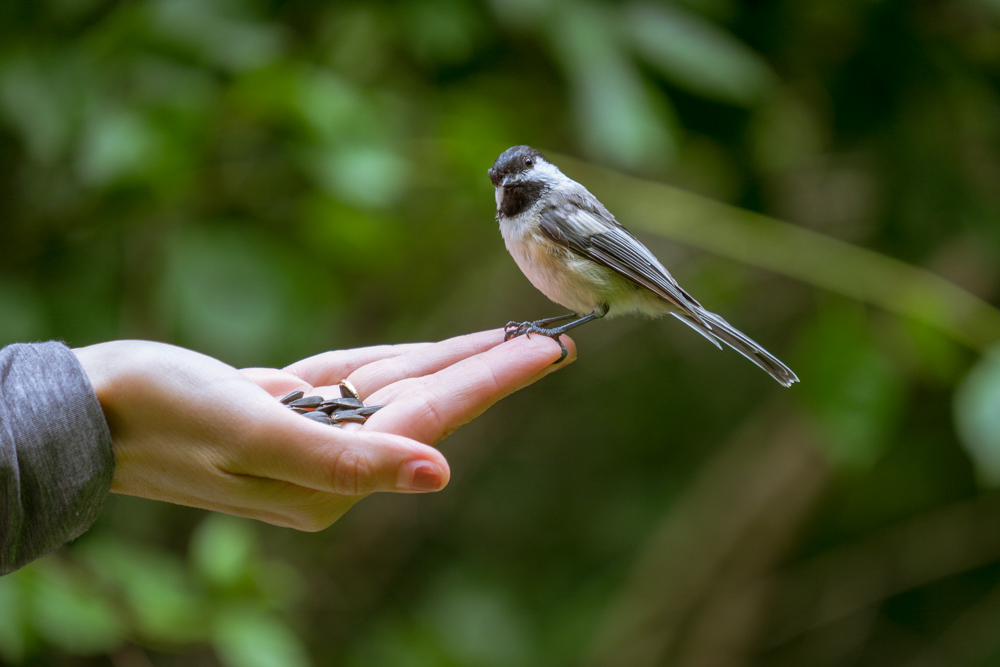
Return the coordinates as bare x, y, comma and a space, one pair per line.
574, 251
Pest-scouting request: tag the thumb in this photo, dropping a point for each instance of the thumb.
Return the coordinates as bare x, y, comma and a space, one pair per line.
350, 463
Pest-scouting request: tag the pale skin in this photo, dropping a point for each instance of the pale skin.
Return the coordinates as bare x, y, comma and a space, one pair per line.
191, 430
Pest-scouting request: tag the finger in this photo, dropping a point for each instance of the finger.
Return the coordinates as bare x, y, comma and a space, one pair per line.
329, 368
428, 409
288, 447
423, 361
275, 382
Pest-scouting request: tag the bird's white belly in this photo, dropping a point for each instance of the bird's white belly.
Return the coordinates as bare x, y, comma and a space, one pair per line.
571, 281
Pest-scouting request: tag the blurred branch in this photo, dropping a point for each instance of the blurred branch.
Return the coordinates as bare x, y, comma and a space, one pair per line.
853, 578
693, 596
793, 251
971, 640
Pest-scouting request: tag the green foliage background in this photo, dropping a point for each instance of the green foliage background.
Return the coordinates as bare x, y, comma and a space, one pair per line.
263, 180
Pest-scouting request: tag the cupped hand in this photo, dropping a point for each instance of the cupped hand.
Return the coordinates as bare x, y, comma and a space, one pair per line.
192, 430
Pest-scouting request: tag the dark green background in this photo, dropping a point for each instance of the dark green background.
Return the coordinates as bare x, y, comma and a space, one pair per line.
260, 181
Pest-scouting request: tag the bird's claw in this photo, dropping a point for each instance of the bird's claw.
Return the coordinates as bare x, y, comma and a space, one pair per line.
514, 329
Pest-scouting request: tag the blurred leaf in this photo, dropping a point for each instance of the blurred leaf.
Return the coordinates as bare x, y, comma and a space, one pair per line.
37, 98
218, 31
478, 624
696, 55
619, 119
224, 552
395, 640
117, 144
69, 614
223, 548
472, 126
13, 630
70, 10
936, 356
718, 10
462, 621
280, 583
245, 637
852, 388
164, 83
156, 586
785, 132
358, 240
992, 6
320, 103
233, 293
977, 416
356, 40
331, 107
363, 176
23, 316
524, 13
446, 32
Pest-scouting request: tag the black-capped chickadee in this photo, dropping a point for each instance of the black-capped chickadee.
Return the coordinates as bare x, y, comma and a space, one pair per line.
574, 251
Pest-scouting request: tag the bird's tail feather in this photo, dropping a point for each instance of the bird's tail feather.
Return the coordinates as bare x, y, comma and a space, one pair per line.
716, 329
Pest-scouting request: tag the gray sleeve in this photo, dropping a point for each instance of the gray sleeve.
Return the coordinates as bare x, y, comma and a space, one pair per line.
56, 460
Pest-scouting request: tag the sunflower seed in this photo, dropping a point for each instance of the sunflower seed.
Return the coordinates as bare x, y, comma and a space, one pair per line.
347, 390
318, 417
337, 404
349, 416
307, 402
294, 396
334, 411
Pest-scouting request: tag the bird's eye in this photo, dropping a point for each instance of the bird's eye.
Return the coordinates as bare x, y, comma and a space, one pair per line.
528, 162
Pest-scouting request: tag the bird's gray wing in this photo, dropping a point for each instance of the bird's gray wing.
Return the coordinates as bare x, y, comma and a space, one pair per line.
595, 234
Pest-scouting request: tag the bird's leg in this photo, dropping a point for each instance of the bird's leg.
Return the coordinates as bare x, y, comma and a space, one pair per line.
515, 329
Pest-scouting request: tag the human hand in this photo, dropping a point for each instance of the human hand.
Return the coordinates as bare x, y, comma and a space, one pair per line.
192, 430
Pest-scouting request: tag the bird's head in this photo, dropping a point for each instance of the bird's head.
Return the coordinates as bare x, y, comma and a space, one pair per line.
520, 175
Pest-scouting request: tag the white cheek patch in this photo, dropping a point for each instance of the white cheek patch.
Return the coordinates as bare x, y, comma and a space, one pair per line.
498, 194
548, 172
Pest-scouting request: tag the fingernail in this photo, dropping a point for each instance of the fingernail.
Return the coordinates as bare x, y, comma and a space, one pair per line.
420, 476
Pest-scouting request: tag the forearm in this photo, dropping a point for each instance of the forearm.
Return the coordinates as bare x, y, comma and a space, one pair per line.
56, 459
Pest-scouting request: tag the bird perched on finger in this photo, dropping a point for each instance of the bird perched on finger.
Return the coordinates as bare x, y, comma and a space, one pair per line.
574, 252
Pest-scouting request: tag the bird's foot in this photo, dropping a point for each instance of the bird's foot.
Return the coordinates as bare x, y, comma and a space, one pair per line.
515, 329
510, 330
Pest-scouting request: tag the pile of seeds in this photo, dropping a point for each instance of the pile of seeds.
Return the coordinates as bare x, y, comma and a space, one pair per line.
332, 411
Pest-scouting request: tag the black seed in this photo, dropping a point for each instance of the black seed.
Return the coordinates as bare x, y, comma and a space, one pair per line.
294, 396
349, 416
307, 402
301, 411
369, 410
337, 404
347, 390
318, 417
